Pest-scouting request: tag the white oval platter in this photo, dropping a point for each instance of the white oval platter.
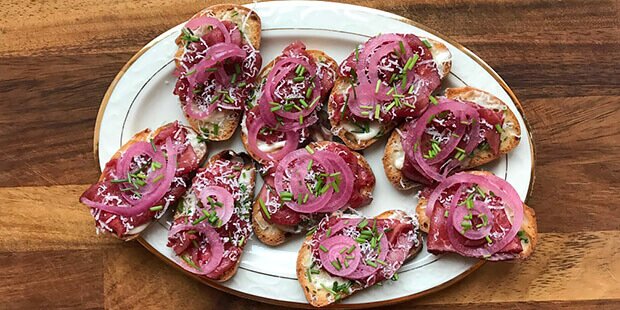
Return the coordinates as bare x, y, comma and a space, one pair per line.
141, 96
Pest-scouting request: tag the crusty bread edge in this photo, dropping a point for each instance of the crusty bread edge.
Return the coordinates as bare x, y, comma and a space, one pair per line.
529, 225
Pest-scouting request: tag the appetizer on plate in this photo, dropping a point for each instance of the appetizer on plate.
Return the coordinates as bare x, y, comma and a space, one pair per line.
384, 81
322, 178
212, 222
465, 129
146, 176
477, 214
216, 65
285, 113
349, 253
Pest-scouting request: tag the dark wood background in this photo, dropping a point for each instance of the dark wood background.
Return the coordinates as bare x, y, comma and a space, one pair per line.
57, 58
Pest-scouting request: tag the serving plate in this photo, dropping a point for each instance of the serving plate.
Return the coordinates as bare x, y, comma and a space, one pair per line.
141, 96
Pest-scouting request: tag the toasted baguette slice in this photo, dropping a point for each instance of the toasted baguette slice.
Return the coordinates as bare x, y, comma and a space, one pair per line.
394, 154
529, 225
315, 293
249, 23
316, 131
242, 206
146, 135
343, 128
273, 235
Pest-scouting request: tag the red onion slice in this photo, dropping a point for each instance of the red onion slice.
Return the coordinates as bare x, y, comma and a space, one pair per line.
254, 127
216, 247
288, 177
501, 189
413, 149
218, 195
364, 270
340, 249
345, 177
146, 201
209, 21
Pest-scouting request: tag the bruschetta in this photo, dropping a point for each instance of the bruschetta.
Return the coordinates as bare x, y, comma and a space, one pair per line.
349, 253
217, 62
285, 115
384, 81
465, 129
322, 178
212, 222
477, 214
146, 176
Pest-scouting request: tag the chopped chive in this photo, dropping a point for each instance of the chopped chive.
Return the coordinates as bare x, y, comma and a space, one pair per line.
394, 277
381, 262
411, 89
426, 43
357, 53
314, 271
202, 218
262, 205
377, 87
414, 61
153, 145
390, 91
303, 103
362, 224
305, 198
323, 248
351, 249
489, 241
298, 79
336, 264
242, 84
377, 111
433, 100
190, 262
309, 92
156, 208
360, 240
499, 128
233, 79
371, 263
311, 231
445, 214
366, 232
308, 275
155, 165
402, 47
119, 181
309, 149
328, 232
479, 190
276, 108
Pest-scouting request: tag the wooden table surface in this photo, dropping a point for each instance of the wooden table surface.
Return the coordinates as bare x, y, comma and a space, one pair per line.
57, 58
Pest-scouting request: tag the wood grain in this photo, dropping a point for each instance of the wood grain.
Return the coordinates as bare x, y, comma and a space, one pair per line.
57, 58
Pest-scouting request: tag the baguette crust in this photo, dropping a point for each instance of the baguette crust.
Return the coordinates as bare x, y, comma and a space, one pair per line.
144, 136
227, 120
317, 296
271, 234
443, 59
319, 57
529, 225
509, 138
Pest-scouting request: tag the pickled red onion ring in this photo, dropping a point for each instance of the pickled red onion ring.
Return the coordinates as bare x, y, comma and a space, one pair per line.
340, 249
216, 247
221, 196
147, 200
